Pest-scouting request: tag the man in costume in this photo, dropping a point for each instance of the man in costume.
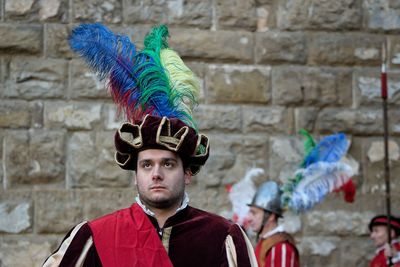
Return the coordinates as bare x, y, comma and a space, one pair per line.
161, 144
379, 235
275, 247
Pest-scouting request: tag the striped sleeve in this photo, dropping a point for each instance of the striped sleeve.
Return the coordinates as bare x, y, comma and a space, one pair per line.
282, 255
75, 250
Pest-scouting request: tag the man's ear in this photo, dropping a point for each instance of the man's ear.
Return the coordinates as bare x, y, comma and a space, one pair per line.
188, 176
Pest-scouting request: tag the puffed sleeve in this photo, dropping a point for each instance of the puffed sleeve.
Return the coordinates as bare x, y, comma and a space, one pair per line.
239, 250
76, 249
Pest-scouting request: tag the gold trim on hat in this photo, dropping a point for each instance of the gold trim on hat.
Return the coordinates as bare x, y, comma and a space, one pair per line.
202, 140
164, 137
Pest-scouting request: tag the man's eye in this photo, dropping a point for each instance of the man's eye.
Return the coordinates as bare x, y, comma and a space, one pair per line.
146, 165
168, 164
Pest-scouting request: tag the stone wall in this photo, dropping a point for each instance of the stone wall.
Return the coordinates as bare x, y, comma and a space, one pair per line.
268, 68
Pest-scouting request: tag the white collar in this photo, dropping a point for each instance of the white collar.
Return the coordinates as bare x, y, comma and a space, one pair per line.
185, 202
383, 246
277, 229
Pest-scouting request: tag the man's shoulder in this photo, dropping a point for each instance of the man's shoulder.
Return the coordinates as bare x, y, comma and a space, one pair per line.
111, 217
211, 219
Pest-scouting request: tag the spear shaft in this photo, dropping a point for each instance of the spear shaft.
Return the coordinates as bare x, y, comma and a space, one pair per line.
384, 95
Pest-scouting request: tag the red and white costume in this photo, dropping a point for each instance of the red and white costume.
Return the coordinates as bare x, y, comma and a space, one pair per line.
277, 249
380, 259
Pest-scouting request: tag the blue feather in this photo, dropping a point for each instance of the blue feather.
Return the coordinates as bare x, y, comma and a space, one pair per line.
330, 149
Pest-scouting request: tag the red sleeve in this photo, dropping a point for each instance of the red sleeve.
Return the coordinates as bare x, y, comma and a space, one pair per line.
282, 254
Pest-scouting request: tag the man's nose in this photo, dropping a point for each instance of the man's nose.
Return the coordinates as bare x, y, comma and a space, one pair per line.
157, 173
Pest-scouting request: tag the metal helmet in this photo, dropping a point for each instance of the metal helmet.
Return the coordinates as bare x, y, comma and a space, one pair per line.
268, 197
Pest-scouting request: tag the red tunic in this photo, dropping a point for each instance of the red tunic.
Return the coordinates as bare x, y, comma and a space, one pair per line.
380, 259
281, 254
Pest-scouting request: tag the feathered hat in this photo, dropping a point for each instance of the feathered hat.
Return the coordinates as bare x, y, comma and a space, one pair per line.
321, 172
153, 88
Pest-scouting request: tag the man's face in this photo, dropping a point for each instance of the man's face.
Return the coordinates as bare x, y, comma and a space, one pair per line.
255, 216
379, 235
160, 179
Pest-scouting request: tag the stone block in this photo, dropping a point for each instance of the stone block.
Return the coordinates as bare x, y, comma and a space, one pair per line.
394, 53
275, 47
326, 223
345, 49
36, 78
268, 120
367, 88
363, 121
57, 41
36, 108
34, 157
30, 10
85, 83
236, 14
381, 15
72, 115
14, 114
356, 251
21, 39
109, 11
374, 176
317, 15
231, 157
192, 13
311, 86
26, 252
221, 118
112, 118
305, 118
15, 218
111, 200
235, 46
91, 162
57, 211
236, 84
286, 153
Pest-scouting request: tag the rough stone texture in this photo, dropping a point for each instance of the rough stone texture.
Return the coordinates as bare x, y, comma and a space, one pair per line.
69, 211
381, 15
313, 14
194, 13
368, 92
362, 121
25, 252
91, 162
42, 161
14, 114
238, 14
57, 41
311, 86
394, 56
15, 218
222, 118
268, 120
85, 83
221, 45
267, 69
79, 116
232, 84
36, 78
275, 47
232, 155
345, 49
109, 11
42, 10
374, 166
286, 153
327, 223
17, 38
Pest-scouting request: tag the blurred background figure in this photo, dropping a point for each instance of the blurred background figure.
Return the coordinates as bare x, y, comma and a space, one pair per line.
379, 235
